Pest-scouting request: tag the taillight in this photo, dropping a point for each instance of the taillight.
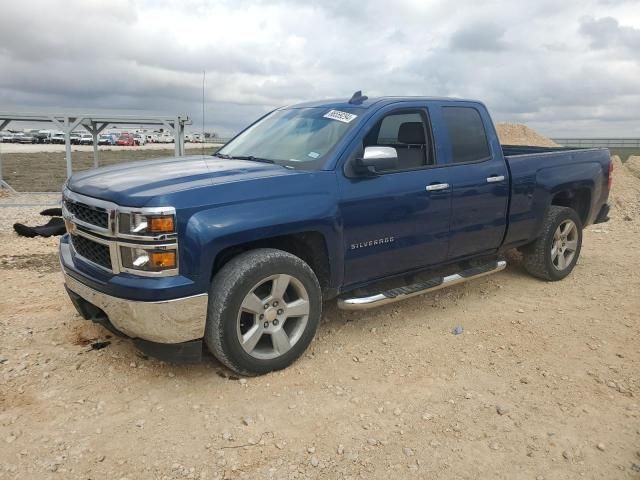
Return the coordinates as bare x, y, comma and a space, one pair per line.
610, 174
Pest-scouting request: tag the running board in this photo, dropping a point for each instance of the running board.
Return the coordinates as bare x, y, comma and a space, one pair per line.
402, 293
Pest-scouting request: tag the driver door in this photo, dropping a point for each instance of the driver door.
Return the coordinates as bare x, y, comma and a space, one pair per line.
398, 220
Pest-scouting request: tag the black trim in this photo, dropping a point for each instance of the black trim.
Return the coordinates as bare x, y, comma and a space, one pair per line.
473, 162
95, 252
472, 272
393, 293
185, 352
93, 215
603, 215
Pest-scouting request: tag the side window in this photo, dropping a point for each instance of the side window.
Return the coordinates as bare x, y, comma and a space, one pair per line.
390, 127
466, 134
407, 133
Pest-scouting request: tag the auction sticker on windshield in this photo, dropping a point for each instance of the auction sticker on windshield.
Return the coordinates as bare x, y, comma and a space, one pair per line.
343, 117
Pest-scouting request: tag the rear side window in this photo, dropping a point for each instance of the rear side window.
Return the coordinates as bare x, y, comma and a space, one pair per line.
466, 134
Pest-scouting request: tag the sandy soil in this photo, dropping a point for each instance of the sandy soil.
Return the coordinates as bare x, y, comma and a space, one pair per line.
542, 384
633, 163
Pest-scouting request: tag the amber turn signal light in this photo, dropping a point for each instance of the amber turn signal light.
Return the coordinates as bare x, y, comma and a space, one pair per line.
163, 259
163, 224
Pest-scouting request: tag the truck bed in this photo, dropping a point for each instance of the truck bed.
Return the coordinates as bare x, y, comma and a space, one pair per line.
513, 150
538, 173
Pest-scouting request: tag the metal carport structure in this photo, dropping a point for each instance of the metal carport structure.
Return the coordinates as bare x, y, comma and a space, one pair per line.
96, 123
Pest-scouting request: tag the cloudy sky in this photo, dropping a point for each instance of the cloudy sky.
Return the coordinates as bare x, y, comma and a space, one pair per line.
563, 67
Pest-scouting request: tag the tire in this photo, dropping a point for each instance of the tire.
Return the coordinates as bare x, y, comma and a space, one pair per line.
241, 333
548, 257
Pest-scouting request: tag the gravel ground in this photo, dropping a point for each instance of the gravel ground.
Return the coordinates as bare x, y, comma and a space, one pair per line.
542, 384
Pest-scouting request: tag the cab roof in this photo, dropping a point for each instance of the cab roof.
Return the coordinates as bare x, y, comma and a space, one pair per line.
370, 102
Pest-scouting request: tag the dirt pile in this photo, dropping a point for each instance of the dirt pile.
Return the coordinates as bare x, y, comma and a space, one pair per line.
633, 164
518, 134
625, 191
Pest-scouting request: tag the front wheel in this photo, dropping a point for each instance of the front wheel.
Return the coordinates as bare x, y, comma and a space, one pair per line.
264, 309
555, 253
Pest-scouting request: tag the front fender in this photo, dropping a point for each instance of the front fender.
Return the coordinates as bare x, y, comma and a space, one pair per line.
307, 208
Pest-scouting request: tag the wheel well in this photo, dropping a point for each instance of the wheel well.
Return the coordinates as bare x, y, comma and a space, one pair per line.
579, 200
309, 246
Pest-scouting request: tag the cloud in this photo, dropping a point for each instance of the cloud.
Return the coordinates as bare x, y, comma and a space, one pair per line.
479, 38
542, 62
607, 32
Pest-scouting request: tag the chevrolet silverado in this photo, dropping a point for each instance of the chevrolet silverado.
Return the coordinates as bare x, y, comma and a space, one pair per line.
367, 200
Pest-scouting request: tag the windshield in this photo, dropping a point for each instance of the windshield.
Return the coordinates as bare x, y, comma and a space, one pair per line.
300, 137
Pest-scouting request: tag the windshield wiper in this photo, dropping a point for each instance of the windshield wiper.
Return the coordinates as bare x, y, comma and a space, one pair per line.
251, 158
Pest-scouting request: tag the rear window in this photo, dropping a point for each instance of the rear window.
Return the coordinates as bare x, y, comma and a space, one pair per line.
466, 134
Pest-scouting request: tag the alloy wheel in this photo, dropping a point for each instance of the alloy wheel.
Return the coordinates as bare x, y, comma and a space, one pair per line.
564, 245
273, 316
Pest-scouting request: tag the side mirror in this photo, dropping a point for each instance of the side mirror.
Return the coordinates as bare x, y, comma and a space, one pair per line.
377, 159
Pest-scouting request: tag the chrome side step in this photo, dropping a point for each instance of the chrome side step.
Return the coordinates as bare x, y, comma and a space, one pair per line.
420, 288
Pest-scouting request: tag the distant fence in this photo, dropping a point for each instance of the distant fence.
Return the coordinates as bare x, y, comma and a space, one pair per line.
623, 147
219, 140
599, 142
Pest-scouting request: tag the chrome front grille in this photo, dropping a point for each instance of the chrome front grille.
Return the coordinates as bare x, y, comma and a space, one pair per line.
93, 225
89, 214
95, 252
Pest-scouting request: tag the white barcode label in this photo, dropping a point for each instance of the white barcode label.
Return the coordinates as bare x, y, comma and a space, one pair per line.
343, 117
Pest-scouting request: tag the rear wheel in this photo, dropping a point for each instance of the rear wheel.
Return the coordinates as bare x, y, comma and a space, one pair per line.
264, 309
555, 253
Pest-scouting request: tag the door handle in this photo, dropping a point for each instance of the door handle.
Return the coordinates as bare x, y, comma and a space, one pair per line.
436, 186
495, 178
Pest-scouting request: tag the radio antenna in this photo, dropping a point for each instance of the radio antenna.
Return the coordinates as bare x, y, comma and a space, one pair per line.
203, 99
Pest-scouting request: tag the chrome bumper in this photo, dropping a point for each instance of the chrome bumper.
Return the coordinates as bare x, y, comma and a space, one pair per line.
168, 321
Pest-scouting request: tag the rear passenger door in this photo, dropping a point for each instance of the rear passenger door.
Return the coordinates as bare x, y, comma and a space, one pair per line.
479, 179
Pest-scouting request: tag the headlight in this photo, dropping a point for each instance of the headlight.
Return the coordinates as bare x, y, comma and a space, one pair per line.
148, 259
147, 224
152, 259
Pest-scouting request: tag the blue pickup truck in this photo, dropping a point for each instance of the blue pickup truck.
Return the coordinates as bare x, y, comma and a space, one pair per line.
367, 200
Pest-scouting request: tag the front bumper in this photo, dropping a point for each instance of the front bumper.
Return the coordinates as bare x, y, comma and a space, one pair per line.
167, 321
184, 352
175, 326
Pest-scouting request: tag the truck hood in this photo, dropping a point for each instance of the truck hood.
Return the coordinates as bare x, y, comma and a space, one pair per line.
150, 182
